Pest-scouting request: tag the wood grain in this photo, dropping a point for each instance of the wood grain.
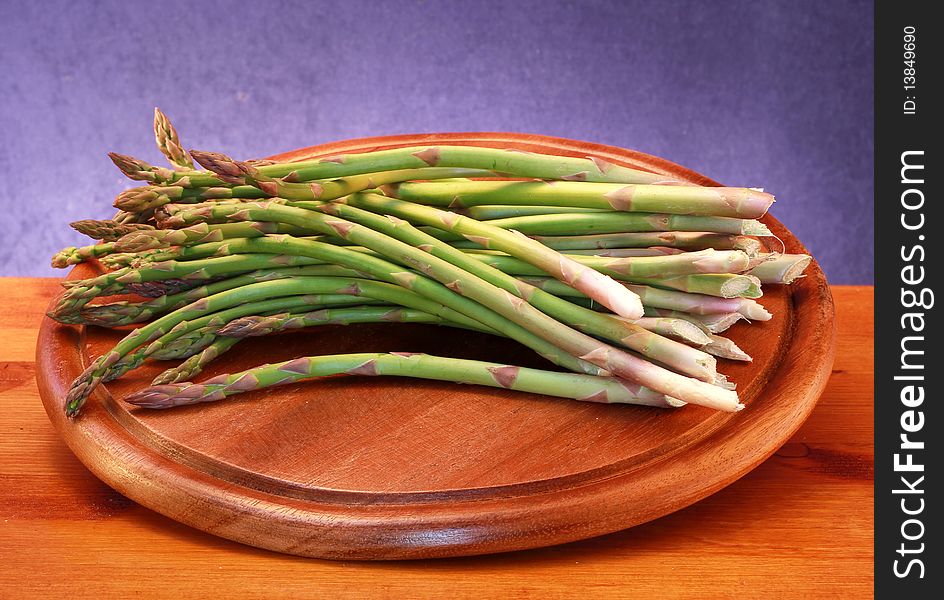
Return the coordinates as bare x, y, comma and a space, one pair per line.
386, 468
798, 526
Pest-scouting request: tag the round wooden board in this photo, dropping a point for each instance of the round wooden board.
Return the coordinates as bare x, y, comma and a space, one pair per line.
385, 468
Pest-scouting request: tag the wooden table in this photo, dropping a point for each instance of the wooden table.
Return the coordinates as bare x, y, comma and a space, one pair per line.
799, 526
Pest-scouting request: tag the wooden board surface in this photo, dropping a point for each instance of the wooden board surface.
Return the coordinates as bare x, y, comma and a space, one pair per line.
798, 526
393, 468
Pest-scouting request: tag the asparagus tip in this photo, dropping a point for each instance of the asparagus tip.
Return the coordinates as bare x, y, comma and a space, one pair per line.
229, 170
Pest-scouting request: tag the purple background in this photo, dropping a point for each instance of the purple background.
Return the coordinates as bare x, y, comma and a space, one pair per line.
772, 94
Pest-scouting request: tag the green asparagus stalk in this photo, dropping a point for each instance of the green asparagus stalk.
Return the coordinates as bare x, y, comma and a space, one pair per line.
154, 289
125, 312
108, 231
676, 239
700, 304
627, 252
188, 344
782, 268
423, 366
137, 241
73, 256
631, 268
722, 285
742, 203
511, 162
610, 223
195, 364
79, 293
140, 199
503, 211
570, 225
190, 331
257, 325
240, 173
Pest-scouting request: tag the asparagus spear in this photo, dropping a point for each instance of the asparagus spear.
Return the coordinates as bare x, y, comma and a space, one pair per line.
721, 285
257, 325
188, 344
653, 297
81, 292
687, 263
676, 239
700, 304
137, 241
626, 252
169, 143
140, 170
108, 231
192, 335
562, 385
195, 364
741, 203
503, 211
606, 223
73, 256
150, 197
724, 285
610, 223
238, 173
125, 312
512, 162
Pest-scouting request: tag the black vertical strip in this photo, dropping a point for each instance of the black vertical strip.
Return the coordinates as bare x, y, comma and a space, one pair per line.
909, 437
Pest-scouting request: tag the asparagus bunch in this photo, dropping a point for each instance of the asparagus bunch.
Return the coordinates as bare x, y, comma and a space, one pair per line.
620, 276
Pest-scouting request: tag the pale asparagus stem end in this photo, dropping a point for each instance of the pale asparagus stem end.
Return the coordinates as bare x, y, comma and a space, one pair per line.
757, 228
725, 348
782, 268
735, 287
675, 328
754, 311
720, 323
